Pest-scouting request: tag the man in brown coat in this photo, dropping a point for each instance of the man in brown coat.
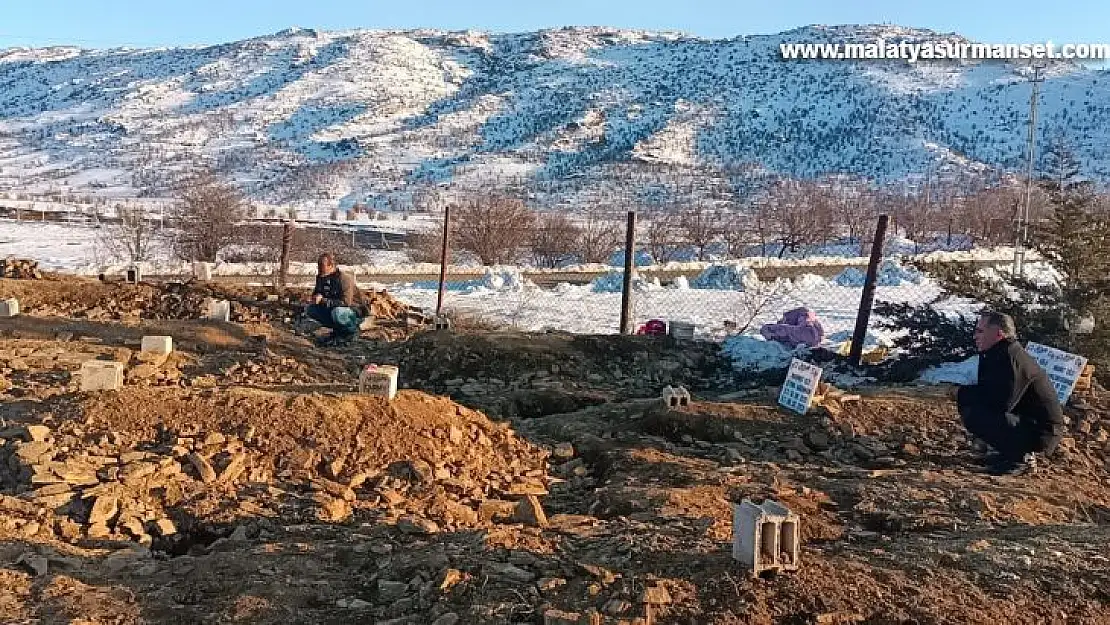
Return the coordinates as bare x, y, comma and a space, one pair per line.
337, 302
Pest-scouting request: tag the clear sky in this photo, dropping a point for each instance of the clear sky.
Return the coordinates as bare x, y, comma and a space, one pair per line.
109, 23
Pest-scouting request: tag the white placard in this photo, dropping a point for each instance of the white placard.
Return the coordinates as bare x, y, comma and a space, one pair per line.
1063, 368
800, 385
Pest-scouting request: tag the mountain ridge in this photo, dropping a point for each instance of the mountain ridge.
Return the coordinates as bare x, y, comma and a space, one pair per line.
314, 118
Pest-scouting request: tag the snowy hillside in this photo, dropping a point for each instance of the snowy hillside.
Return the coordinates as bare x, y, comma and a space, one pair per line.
317, 119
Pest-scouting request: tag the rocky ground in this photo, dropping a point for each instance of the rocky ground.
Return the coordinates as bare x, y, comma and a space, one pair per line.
515, 479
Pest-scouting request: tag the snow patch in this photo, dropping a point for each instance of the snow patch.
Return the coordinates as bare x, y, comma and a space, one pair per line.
732, 276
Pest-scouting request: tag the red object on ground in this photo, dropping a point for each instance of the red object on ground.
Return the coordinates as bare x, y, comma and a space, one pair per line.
655, 327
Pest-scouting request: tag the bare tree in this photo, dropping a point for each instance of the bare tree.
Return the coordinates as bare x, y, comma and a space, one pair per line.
133, 239
598, 236
700, 228
800, 214
207, 217
661, 233
494, 228
554, 240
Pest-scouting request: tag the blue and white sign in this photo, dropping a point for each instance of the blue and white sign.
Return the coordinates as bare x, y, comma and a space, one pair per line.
801, 383
1063, 368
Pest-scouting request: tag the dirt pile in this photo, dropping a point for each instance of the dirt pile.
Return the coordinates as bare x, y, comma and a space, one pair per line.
86, 298
512, 374
20, 269
121, 466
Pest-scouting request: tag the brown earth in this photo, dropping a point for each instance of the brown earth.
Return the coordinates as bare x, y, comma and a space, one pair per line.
243, 480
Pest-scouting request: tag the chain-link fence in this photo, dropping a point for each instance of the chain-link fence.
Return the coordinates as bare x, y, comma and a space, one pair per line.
709, 287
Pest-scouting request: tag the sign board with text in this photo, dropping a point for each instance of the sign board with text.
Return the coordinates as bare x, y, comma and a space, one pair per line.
800, 385
1063, 368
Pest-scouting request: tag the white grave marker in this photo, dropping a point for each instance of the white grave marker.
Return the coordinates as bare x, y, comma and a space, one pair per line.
800, 385
1063, 368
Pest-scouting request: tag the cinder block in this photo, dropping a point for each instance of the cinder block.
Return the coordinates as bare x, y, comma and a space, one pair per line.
681, 330
443, 322
378, 380
674, 397
134, 275
765, 537
217, 310
157, 345
101, 375
202, 271
9, 307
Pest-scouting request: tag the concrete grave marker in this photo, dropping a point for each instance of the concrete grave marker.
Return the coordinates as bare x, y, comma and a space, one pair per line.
134, 275
800, 385
101, 375
378, 380
1063, 368
202, 271
217, 310
765, 537
161, 345
9, 307
674, 397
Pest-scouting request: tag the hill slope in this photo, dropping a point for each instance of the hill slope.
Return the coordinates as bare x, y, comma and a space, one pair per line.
312, 118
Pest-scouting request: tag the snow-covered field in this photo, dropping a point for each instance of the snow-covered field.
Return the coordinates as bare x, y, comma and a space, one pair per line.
726, 301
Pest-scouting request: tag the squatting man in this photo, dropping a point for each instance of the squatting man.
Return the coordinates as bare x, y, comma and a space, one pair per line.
337, 302
1013, 407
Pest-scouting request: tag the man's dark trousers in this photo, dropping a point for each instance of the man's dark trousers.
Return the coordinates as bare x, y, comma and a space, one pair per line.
342, 319
1006, 434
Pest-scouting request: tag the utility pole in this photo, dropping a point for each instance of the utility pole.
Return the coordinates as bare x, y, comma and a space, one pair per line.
1022, 233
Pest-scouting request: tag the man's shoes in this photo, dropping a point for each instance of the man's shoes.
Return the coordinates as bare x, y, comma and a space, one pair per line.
1002, 466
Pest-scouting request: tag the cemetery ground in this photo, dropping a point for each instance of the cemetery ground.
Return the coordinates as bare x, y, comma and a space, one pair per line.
515, 478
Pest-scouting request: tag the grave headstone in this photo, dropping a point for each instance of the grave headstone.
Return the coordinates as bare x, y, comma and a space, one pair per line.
800, 385
1063, 368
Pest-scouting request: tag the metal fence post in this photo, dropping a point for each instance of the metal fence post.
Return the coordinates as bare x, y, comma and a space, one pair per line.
443, 259
863, 318
629, 264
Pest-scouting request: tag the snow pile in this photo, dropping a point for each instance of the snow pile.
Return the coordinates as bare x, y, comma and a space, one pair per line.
731, 276
681, 284
613, 282
891, 273
503, 279
810, 281
752, 352
1041, 273
965, 372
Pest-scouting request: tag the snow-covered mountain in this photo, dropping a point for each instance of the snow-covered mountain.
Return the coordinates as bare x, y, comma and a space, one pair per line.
320, 118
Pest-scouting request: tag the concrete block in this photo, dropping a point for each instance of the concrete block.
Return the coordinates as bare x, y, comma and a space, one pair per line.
101, 375
9, 307
157, 345
443, 322
217, 310
674, 397
378, 380
681, 330
765, 537
202, 271
134, 275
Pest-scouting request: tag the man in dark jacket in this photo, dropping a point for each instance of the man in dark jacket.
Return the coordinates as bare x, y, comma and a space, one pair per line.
1013, 407
337, 302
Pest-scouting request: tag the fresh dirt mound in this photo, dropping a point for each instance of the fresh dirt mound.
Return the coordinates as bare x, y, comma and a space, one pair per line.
144, 464
88, 298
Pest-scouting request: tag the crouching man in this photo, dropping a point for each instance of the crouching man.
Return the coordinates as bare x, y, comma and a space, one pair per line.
1013, 407
337, 302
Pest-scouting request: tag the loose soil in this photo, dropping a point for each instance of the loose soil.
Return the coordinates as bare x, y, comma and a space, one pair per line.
514, 479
